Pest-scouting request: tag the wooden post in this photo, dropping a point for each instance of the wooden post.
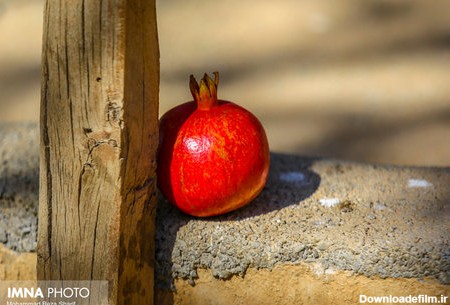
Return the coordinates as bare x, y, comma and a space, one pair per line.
99, 118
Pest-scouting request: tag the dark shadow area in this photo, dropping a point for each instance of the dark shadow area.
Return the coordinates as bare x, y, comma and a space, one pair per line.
387, 10
290, 181
168, 221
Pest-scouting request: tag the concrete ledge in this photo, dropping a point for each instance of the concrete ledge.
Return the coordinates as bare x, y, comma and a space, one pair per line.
289, 284
371, 220
317, 220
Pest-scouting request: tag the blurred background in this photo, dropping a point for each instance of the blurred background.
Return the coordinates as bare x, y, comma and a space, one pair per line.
363, 80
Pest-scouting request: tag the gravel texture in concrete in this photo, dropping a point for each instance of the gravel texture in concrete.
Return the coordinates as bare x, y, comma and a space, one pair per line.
19, 185
375, 220
369, 219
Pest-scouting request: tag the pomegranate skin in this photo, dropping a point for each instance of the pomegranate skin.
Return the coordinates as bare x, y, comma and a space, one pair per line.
211, 160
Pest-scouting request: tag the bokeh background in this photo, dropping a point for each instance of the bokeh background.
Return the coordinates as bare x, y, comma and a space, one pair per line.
363, 80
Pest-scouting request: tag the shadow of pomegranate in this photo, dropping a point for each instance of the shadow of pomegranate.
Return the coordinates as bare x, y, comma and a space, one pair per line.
290, 181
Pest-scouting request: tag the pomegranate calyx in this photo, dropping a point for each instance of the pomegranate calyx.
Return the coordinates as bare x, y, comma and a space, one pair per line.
205, 93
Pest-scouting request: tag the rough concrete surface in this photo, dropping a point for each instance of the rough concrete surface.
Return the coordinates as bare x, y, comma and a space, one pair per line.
370, 219
19, 185
373, 220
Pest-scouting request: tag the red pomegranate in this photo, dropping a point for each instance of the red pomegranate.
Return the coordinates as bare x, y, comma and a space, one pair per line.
213, 155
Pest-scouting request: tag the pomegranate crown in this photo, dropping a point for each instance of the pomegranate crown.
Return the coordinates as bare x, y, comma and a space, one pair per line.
205, 93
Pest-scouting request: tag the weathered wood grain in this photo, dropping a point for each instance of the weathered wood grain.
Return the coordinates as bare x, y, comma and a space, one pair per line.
99, 118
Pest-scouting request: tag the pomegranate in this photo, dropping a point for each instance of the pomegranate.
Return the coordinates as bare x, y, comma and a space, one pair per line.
213, 155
